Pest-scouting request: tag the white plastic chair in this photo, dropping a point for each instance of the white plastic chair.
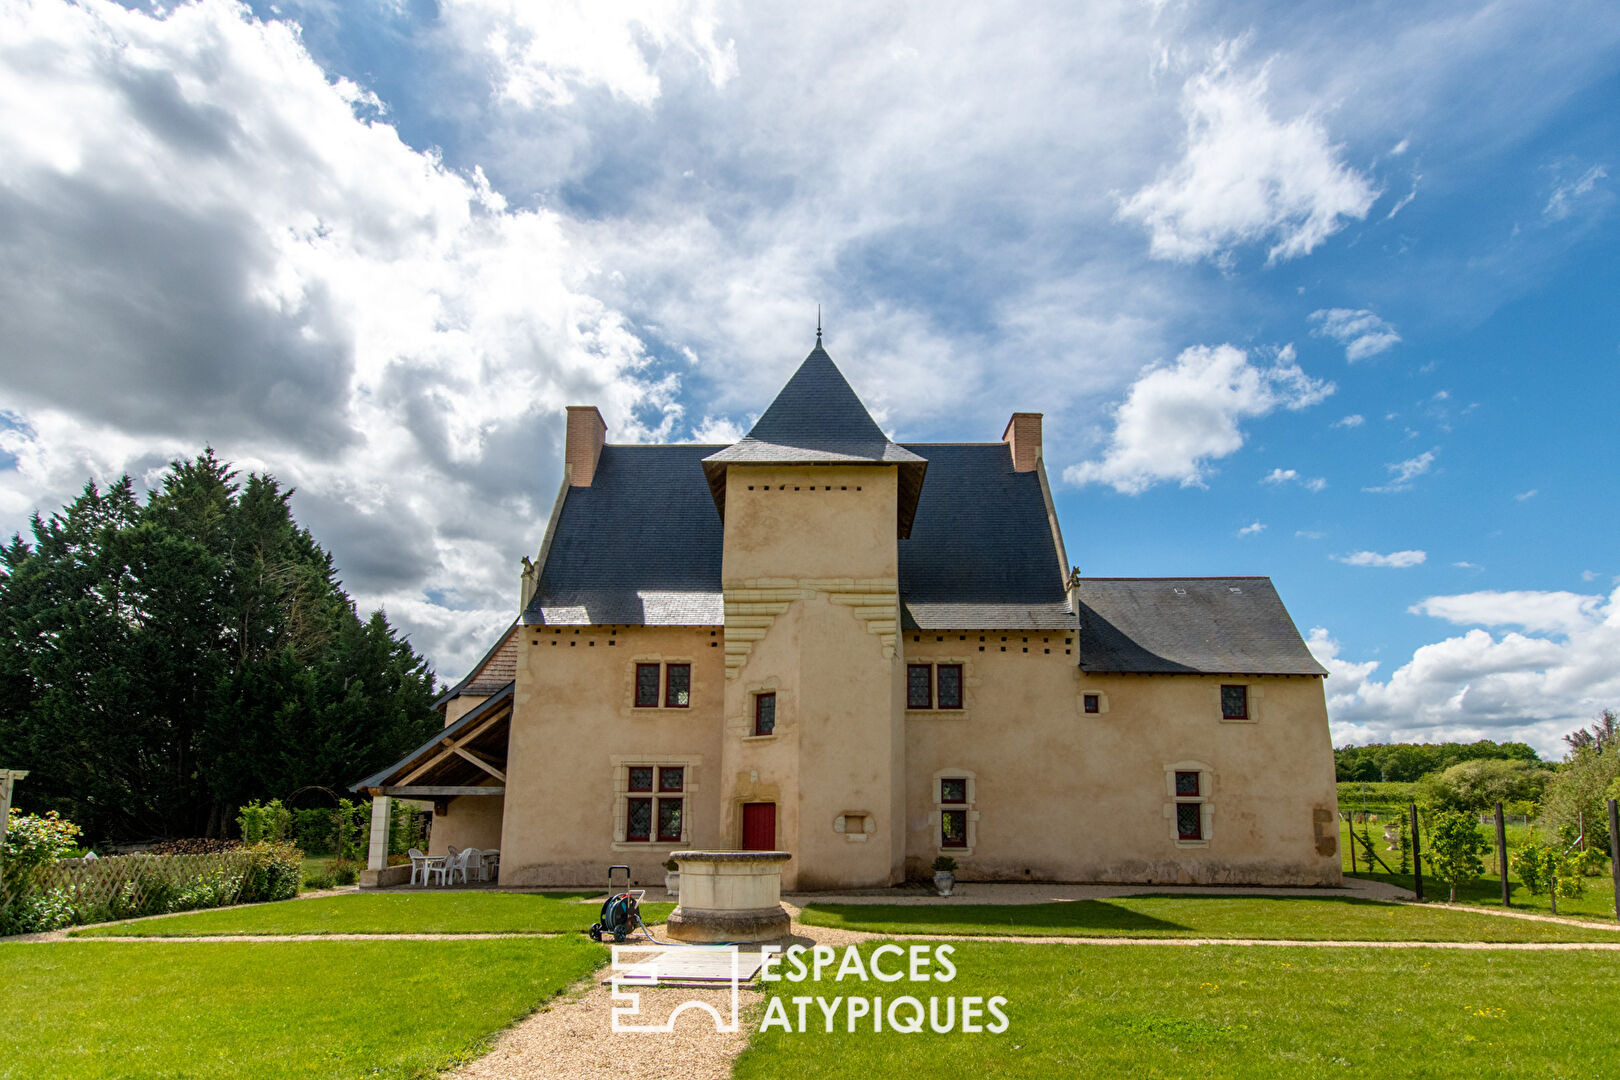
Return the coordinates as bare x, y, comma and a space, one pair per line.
492, 864
468, 863
420, 862
445, 867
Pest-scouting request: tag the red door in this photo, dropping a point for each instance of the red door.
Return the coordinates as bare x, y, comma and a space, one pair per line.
759, 826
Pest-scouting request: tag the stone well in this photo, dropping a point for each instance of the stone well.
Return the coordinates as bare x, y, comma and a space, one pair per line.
729, 896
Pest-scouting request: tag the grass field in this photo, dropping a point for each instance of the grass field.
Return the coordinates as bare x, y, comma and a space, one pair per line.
1486, 891
232, 1010
386, 913
1227, 1013
1301, 918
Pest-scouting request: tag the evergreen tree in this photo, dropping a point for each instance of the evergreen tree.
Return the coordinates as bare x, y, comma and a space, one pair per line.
161, 664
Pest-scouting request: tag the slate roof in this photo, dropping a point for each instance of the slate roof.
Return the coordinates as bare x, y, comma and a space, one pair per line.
642, 545
981, 554
1205, 626
497, 668
639, 547
818, 419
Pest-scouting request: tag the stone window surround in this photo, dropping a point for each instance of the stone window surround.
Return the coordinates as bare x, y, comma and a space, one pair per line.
622, 794
628, 695
869, 826
1102, 702
937, 818
970, 684
744, 726
1254, 696
1204, 799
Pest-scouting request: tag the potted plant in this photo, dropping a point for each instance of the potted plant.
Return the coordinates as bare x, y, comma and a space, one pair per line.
944, 874
672, 878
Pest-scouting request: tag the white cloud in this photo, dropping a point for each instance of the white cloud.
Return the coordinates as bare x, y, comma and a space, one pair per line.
1279, 477
1395, 559
1402, 473
1252, 529
1177, 418
1309, 534
1523, 495
1561, 204
717, 429
1352, 421
1537, 612
1464, 564
1362, 333
545, 53
1246, 177
209, 241
1519, 686
1590, 575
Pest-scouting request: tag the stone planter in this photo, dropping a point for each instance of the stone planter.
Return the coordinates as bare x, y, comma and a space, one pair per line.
944, 882
729, 896
672, 883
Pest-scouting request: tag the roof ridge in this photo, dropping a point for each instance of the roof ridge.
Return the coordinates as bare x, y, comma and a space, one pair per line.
1193, 577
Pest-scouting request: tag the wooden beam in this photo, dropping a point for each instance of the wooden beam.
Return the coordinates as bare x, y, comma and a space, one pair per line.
421, 770
432, 791
482, 764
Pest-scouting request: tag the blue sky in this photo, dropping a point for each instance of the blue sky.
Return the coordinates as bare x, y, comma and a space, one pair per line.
1327, 295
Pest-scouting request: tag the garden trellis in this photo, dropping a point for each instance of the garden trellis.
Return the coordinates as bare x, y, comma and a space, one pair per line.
7, 778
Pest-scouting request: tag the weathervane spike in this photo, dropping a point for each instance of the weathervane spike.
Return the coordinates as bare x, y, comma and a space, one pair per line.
818, 324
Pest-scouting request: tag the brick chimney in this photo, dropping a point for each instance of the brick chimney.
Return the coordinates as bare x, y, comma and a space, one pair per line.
1023, 434
583, 447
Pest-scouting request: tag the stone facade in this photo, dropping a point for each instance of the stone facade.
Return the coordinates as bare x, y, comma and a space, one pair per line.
1025, 766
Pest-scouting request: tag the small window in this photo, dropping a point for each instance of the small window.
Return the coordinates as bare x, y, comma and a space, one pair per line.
764, 714
953, 828
953, 790
1234, 702
677, 686
641, 777
1187, 784
1093, 703
646, 686
671, 778
919, 686
1190, 820
669, 820
638, 825
950, 685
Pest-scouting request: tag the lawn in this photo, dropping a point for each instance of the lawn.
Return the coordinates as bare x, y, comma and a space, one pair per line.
387, 913
1271, 917
310, 1010
1598, 903
1226, 1013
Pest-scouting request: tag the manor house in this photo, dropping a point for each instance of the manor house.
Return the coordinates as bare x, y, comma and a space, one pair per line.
869, 654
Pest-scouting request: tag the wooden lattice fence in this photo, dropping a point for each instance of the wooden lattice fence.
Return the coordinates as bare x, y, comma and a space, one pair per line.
71, 892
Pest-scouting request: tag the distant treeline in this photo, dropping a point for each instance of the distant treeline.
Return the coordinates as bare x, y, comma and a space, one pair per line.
1406, 762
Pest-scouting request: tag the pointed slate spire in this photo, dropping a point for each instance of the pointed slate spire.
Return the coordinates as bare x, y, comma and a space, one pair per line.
818, 419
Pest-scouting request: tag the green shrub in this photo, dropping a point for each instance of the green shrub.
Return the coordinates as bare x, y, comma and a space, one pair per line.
1547, 869
270, 822
33, 839
1476, 786
274, 873
1455, 848
345, 872
315, 831
319, 879
944, 864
